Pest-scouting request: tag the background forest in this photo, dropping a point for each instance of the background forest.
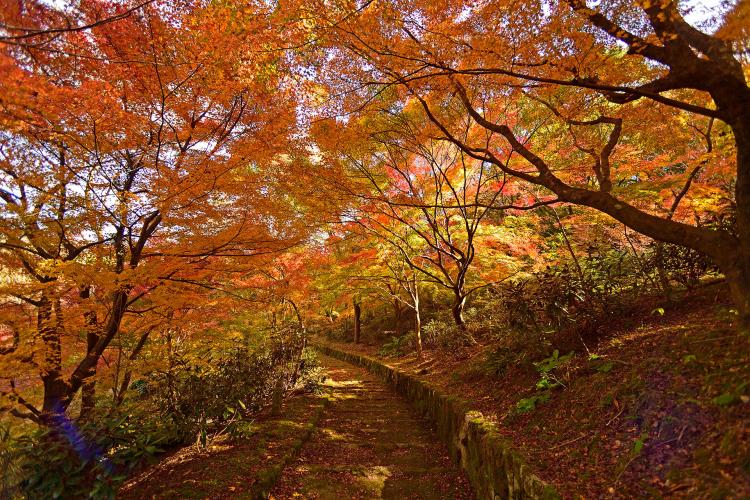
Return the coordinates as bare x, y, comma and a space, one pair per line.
499, 192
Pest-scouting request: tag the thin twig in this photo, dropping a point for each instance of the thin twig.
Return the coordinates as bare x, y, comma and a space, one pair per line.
570, 441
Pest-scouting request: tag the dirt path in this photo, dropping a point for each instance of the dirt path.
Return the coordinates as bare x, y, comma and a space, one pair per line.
370, 444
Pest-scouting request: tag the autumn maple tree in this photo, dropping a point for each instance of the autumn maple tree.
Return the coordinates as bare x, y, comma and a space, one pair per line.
133, 158
191, 189
573, 99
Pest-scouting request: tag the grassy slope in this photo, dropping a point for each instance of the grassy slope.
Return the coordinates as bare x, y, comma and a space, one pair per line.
669, 417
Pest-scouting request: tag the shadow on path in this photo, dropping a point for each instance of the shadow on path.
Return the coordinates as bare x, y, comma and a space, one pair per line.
370, 444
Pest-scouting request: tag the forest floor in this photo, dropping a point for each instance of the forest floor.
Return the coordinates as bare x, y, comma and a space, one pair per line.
233, 467
356, 439
656, 408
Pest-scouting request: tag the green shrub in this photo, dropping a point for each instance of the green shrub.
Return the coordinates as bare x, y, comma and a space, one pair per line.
339, 331
515, 349
445, 335
548, 380
311, 373
485, 319
86, 459
398, 346
578, 303
500, 359
550, 364
526, 405
683, 265
216, 391
10, 464
196, 394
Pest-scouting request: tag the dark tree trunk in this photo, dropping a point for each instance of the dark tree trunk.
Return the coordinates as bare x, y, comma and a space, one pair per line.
56, 389
737, 270
120, 394
397, 313
664, 283
738, 278
88, 398
88, 389
357, 321
302, 343
58, 392
277, 397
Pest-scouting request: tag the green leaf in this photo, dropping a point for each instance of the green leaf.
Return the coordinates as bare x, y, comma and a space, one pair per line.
528, 404
605, 367
725, 399
638, 445
544, 383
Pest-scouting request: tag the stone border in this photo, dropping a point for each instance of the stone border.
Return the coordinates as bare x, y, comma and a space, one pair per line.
494, 469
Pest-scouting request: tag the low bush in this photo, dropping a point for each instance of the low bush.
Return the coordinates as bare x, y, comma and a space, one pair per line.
683, 265
83, 459
514, 349
572, 302
311, 373
442, 334
398, 346
197, 397
197, 394
202, 393
340, 331
550, 378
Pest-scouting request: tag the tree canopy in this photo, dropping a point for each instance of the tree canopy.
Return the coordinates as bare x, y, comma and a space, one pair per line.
191, 166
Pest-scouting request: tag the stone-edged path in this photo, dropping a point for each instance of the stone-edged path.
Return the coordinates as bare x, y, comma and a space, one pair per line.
370, 444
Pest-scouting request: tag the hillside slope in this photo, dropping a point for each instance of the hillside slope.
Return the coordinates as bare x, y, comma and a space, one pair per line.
657, 409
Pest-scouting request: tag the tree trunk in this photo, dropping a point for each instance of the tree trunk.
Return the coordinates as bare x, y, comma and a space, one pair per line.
120, 395
397, 311
418, 328
458, 311
739, 289
357, 321
55, 387
666, 286
58, 392
88, 389
278, 396
303, 342
88, 398
738, 270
